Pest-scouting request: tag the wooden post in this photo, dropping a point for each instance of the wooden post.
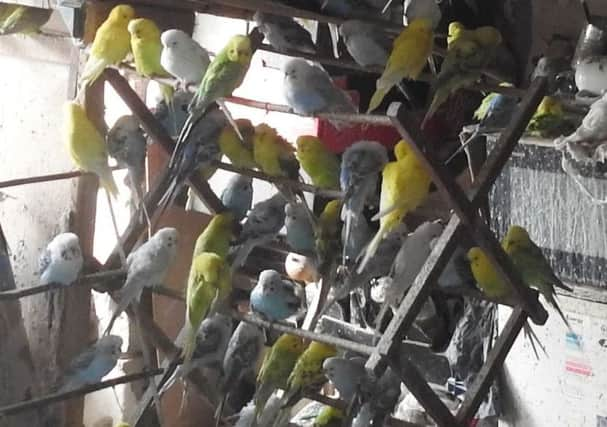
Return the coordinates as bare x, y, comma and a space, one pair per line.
18, 374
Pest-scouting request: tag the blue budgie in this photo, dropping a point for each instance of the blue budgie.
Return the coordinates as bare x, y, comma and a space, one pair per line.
300, 231
275, 298
237, 195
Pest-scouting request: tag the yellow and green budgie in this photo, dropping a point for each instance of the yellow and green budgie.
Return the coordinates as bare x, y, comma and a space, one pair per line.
216, 236
319, 163
17, 19
328, 230
410, 52
276, 368
147, 48
86, 146
239, 152
209, 286
549, 120
111, 45
225, 73
533, 266
329, 417
468, 53
405, 186
273, 154
307, 374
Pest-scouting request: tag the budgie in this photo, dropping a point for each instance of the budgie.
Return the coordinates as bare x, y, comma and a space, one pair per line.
127, 144
405, 186
410, 52
284, 33
147, 266
329, 417
349, 376
239, 152
328, 231
427, 9
244, 349
273, 154
86, 146
17, 19
275, 298
308, 89
209, 286
60, 263
468, 53
237, 195
318, 162
261, 225
306, 376
366, 43
361, 164
357, 238
90, 366
301, 268
533, 266
216, 236
487, 278
276, 368
300, 230
549, 120
111, 45
147, 48
183, 57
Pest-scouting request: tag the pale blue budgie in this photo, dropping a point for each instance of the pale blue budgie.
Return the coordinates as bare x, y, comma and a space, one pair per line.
300, 231
261, 225
275, 298
308, 89
361, 165
349, 376
237, 195
147, 266
360, 235
90, 366
284, 33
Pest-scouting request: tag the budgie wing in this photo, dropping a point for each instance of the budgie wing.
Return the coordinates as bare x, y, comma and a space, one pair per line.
44, 261
219, 81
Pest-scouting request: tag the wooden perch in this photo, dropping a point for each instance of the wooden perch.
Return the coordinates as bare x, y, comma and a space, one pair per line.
331, 194
59, 397
47, 178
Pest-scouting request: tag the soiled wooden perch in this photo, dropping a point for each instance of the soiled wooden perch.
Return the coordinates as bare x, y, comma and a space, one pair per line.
324, 338
59, 397
88, 280
332, 194
46, 178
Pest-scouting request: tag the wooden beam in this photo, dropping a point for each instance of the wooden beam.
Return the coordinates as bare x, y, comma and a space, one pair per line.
479, 388
419, 387
457, 199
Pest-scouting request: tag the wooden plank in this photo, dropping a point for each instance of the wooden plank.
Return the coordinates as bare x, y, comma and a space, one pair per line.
406, 124
16, 364
419, 387
479, 388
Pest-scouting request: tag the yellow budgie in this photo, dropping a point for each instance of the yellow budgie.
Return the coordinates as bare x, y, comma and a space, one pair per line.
86, 146
216, 236
239, 152
468, 53
549, 120
273, 154
409, 55
319, 163
405, 186
276, 368
147, 48
17, 19
328, 229
111, 45
209, 286
487, 278
533, 266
